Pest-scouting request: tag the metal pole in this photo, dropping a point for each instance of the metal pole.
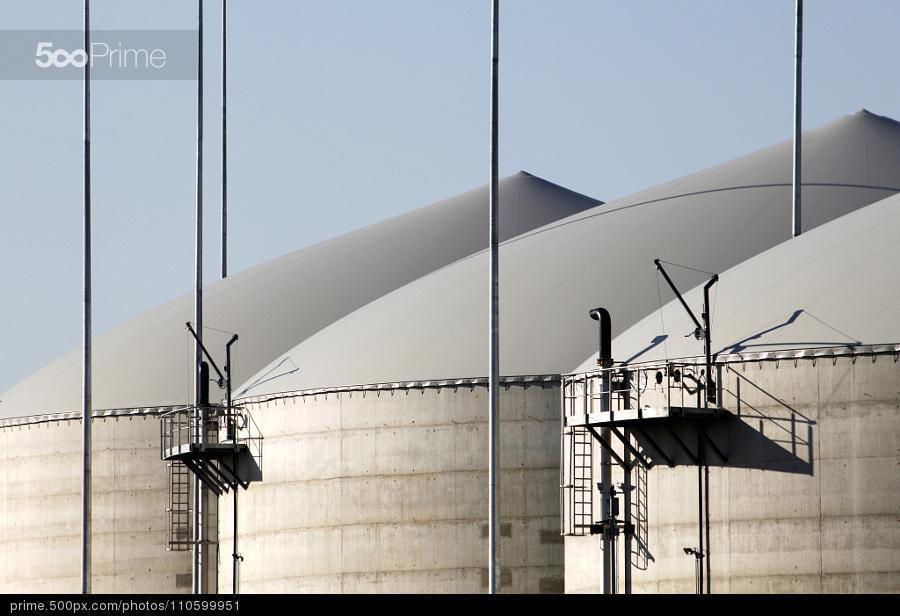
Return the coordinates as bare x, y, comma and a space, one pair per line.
232, 434
798, 125
604, 361
697, 589
627, 504
606, 476
613, 560
86, 358
494, 349
224, 140
708, 543
234, 555
707, 342
700, 513
199, 581
606, 482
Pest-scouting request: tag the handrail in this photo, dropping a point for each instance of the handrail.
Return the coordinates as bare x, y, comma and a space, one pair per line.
635, 387
178, 428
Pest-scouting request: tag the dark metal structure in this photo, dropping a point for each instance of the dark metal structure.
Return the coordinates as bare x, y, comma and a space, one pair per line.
702, 331
797, 175
200, 556
494, 294
218, 444
86, 417
648, 415
224, 138
653, 411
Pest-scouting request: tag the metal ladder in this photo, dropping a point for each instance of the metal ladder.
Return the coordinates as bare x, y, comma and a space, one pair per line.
582, 484
178, 513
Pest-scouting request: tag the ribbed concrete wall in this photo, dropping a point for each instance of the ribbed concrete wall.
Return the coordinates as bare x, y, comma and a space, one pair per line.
40, 509
386, 492
805, 506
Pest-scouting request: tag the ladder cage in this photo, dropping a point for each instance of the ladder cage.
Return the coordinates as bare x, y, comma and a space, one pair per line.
577, 485
178, 512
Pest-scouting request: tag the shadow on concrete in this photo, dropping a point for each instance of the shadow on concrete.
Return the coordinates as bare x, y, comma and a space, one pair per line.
767, 436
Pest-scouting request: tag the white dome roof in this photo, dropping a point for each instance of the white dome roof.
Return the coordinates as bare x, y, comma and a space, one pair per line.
835, 286
276, 305
436, 327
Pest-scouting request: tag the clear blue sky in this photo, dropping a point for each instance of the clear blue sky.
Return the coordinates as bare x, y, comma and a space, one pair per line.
346, 112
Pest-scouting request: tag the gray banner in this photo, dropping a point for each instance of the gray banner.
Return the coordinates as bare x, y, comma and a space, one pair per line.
114, 54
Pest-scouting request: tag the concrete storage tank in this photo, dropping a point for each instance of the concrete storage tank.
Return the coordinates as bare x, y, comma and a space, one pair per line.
141, 369
383, 488
548, 282
380, 438
808, 341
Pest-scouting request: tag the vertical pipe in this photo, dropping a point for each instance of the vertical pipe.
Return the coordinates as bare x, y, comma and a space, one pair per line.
697, 589
233, 436
604, 361
199, 565
86, 357
494, 352
563, 521
613, 574
708, 543
699, 513
234, 555
710, 394
626, 490
606, 483
798, 125
707, 346
224, 139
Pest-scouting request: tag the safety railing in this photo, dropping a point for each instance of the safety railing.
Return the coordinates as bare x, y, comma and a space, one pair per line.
247, 432
661, 385
182, 429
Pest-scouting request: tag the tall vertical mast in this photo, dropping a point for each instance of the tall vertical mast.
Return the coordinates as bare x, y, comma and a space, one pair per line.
224, 139
798, 125
199, 564
86, 356
494, 352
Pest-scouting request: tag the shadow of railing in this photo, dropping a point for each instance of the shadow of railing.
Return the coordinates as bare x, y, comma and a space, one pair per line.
759, 430
772, 436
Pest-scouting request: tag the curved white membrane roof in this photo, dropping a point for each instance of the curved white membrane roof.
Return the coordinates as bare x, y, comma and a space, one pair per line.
436, 327
276, 305
835, 286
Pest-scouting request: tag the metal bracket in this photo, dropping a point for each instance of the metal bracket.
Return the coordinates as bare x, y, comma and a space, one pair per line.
638, 456
607, 447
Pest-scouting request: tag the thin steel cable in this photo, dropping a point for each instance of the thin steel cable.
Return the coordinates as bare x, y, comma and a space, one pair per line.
221, 331
693, 269
262, 378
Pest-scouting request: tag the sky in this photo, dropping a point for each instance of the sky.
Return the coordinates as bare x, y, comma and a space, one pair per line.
345, 112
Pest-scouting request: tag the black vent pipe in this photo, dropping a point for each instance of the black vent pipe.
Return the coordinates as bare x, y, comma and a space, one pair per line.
601, 315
